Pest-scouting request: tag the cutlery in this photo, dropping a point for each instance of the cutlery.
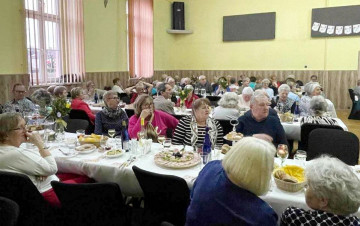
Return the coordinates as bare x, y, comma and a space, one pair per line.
64, 153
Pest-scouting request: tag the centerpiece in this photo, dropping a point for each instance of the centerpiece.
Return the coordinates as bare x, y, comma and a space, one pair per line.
58, 109
223, 84
183, 94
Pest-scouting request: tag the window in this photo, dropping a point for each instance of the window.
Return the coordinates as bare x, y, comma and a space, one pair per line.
48, 41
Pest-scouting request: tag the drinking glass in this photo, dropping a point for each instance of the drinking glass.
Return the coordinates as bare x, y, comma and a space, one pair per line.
234, 123
103, 143
161, 139
80, 133
205, 157
203, 92
118, 142
282, 153
301, 156
111, 132
167, 143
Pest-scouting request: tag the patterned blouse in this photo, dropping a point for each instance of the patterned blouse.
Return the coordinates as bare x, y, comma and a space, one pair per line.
20, 106
283, 107
296, 216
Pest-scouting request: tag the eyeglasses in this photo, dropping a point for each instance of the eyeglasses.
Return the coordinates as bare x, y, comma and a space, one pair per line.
20, 128
147, 105
113, 98
18, 91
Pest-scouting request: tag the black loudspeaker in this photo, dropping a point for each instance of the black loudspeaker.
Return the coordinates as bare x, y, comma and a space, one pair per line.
178, 13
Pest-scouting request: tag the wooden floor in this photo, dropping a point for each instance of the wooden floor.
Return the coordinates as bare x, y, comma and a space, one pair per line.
352, 125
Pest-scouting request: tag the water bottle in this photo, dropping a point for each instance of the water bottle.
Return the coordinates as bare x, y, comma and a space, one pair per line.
125, 137
96, 98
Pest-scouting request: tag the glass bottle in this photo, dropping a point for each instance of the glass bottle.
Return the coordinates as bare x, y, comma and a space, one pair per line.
297, 110
96, 97
125, 137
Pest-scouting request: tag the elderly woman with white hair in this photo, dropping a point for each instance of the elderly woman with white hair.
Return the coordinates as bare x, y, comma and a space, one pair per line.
265, 86
245, 97
333, 194
112, 116
282, 103
228, 107
313, 89
227, 192
318, 107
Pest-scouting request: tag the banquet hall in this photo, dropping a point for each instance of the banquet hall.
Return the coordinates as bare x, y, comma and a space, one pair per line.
110, 68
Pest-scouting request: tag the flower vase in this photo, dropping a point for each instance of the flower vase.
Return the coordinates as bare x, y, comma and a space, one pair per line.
59, 130
182, 106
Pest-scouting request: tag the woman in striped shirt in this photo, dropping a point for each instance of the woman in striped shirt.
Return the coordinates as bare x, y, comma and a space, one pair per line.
191, 129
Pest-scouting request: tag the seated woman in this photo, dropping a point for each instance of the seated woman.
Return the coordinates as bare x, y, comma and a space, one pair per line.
265, 86
227, 192
191, 129
190, 98
77, 102
39, 165
139, 88
318, 107
245, 97
60, 92
112, 116
228, 107
144, 108
282, 103
90, 91
313, 89
333, 194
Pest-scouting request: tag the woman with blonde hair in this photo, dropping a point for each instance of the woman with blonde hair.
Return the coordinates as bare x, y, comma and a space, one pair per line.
144, 108
227, 192
78, 103
333, 194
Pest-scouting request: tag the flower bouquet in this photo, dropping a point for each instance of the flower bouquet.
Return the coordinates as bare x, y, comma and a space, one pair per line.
223, 83
58, 109
183, 94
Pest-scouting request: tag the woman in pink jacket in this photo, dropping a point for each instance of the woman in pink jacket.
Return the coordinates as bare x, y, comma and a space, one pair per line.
77, 103
144, 108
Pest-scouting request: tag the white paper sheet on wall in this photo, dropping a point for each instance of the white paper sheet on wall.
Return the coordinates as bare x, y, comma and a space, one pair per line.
315, 26
339, 30
330, 29
323, 28
348, 30
356, 28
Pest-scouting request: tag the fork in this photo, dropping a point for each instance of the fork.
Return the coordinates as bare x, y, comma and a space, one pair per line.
125, 163
64, 153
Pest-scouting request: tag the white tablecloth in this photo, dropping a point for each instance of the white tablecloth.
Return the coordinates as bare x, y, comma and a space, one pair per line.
293, 130
107, 170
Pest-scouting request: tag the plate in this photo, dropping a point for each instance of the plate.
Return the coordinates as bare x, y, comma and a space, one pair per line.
167, 159
238, 137
85, 148
110, 155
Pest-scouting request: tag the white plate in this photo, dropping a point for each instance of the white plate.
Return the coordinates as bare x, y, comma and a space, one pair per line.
93, 148
65, 150
114, 156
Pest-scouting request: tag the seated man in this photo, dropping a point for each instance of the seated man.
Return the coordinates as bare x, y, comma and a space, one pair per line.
258, 123
162, 102
203, 84
20, 103
117, 86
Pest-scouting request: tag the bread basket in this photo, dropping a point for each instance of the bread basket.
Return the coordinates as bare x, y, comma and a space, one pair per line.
288, 186
90, 139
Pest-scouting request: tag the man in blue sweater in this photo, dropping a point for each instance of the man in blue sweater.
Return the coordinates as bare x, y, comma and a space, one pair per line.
258, 123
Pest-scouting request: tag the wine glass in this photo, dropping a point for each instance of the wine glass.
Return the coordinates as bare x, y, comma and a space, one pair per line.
234, 123
282, 153
161, 139
103, 142
111, 132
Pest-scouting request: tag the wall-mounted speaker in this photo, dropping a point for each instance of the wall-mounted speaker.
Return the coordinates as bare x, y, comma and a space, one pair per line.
178, 16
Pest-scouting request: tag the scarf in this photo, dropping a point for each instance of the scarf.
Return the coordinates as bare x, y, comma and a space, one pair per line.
194, 130
111, 113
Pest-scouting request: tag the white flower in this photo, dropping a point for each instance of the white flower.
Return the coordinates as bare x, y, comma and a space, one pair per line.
58, 114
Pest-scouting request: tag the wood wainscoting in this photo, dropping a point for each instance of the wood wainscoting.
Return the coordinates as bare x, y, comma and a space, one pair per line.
335, 83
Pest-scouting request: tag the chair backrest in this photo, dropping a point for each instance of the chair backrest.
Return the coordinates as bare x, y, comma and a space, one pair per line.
129, 112
80, 114
75, 124
166, 196
352, 95
341, 144
306, 128
92, 203
9, 212
226, 126
20, 189
213, 100
124, 97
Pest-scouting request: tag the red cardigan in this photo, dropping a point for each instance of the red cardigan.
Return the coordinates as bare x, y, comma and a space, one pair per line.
188, 103
79, 104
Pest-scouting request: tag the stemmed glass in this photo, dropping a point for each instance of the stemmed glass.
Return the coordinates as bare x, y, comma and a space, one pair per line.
282, 153
234, 123
111, 133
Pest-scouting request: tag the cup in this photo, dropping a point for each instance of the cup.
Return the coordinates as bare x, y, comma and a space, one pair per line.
167, 143
301, 156
118, 142
80, 132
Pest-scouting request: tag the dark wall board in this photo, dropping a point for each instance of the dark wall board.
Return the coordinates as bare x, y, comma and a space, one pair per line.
259, 26
335, 21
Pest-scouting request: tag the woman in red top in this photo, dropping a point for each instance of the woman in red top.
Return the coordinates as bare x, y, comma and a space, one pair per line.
190, 98
77, 103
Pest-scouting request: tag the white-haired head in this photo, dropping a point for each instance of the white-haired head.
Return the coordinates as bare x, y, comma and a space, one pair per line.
229, 100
